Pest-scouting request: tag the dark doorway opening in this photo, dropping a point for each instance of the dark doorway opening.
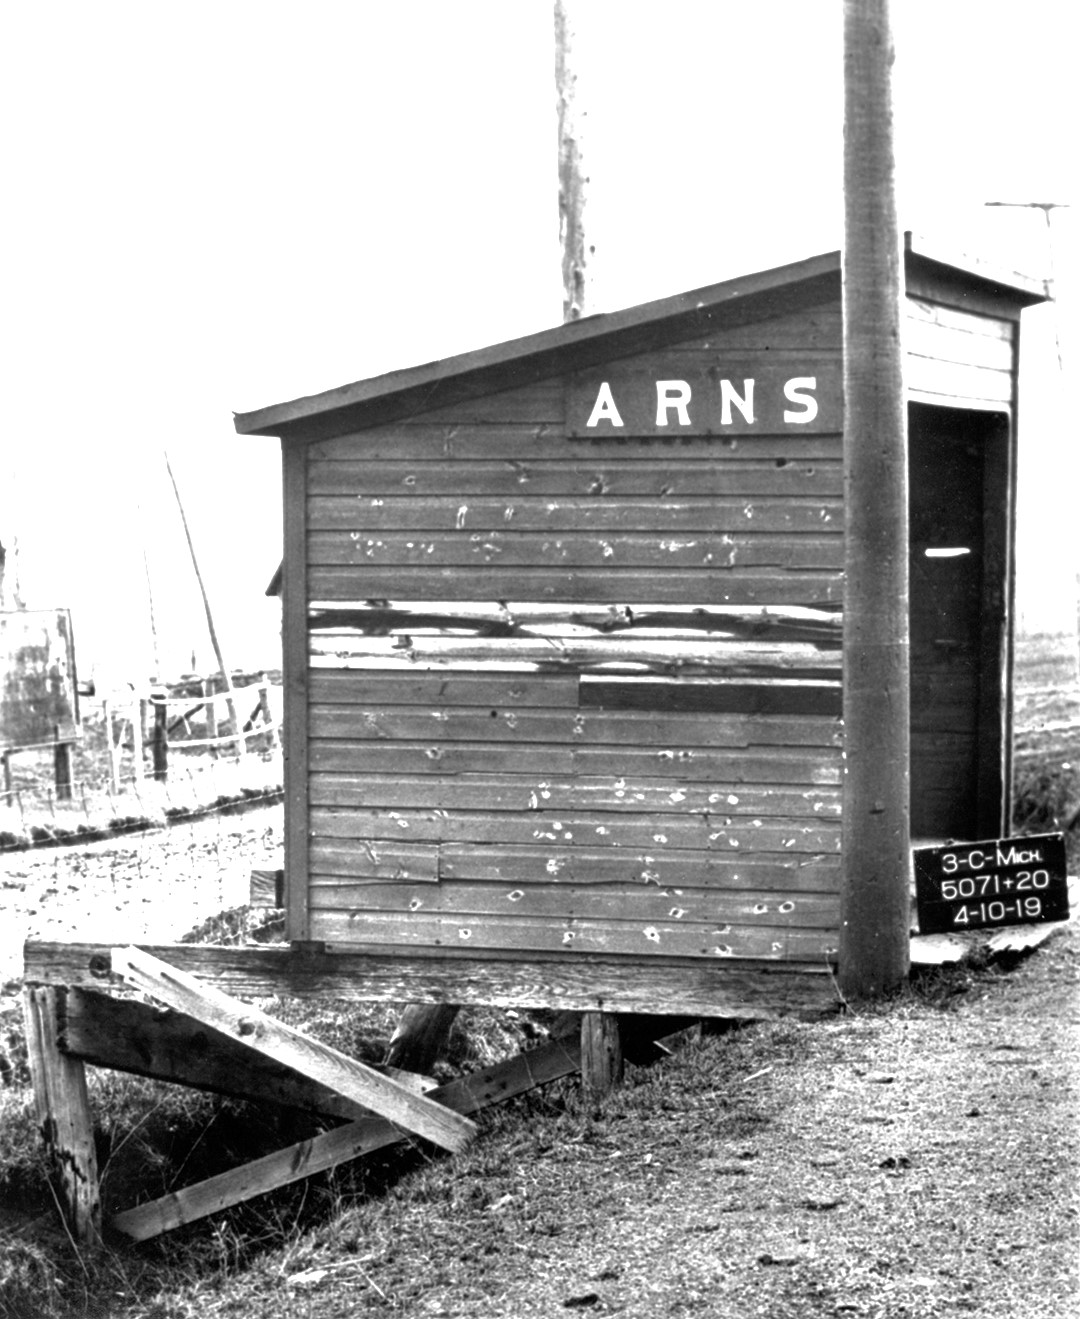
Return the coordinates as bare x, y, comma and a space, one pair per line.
960, 517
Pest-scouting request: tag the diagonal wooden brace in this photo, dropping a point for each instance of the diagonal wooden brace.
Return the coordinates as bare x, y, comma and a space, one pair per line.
348, 1077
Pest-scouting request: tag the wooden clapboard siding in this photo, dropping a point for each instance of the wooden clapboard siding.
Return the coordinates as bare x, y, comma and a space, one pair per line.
958, 358
553, 934
353, 515
330, 818
760, 765
484, 768
581, 902
751, 586
419, 441
426, 863
638, 728
519, 792
611, 552
580, 476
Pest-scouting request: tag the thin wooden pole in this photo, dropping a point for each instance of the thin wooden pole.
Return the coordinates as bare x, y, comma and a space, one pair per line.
241, 745
875, 903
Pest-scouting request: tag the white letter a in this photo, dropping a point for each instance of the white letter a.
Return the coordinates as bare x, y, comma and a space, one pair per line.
604, 408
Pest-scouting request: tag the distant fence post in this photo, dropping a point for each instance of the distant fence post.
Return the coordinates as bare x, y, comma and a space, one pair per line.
264, 706
9, 791
208, 688
136, 712
62, 769
160, 738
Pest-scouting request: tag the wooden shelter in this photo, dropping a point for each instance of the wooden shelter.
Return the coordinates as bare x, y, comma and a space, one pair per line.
562, 626
563, 623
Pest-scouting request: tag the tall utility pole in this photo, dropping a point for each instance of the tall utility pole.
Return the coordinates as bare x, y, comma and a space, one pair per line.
875, 903
573, 181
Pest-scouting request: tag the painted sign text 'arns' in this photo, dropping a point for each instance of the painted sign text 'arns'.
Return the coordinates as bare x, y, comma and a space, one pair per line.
752, 396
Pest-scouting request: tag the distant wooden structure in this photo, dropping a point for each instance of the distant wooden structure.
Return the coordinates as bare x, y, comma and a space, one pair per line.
562, 626
39, 698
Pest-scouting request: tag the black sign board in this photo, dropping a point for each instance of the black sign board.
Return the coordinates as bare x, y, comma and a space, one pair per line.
1006, 881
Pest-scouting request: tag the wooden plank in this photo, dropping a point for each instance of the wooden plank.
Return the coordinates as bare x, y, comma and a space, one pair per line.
452, 512
601, 1054
519, 792
637, 728
808, 767
295, 683
669, 830
606, 477
417, 441
718, 586
692, 987
569, 864
134, 1037
549, 934
927, 375
283, 1044
618, 901
721, 657
63, 1112
369, 687
925, 338
468, 1095
579, 548
565, 618
925, 311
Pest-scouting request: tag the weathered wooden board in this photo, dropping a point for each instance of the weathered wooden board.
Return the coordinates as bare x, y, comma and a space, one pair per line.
540, 476
518, 792
467, 1095
636, 728
708, 586
513, 549
695, 656
615, 902
529, 864
337, 819
132, 1036
760, 766
463, 443
452, 512
720, 987
284, 1044
533, 934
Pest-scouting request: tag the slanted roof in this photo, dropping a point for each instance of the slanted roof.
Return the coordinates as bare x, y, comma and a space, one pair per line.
593, 339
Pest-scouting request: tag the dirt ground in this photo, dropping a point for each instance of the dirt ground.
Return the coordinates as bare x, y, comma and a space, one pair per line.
149, 887
914, 1161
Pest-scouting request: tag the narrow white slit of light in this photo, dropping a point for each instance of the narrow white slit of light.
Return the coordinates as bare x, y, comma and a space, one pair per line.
947, 552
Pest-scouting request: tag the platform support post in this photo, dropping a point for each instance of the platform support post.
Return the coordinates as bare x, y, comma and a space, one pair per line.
63, 1112
601, 1053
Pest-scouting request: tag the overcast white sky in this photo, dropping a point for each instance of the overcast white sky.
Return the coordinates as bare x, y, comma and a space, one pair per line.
218, 206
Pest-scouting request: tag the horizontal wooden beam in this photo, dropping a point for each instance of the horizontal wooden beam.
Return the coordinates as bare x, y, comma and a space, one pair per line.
283, 1044
521, 1073
131, 1036
578, 982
